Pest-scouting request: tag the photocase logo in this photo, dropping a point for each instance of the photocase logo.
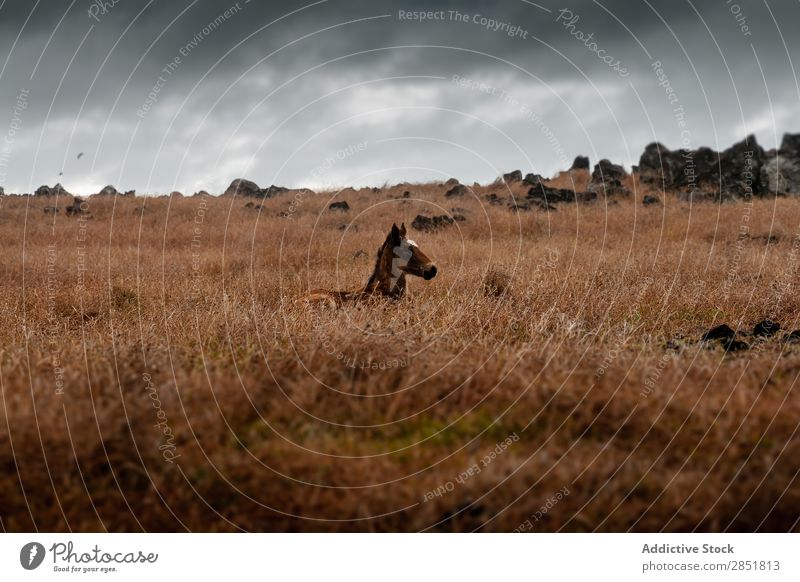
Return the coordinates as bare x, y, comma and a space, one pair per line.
31, 555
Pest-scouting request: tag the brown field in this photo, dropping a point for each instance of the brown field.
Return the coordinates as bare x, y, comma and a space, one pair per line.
546, 329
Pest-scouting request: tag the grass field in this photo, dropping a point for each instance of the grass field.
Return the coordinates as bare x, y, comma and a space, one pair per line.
158, 373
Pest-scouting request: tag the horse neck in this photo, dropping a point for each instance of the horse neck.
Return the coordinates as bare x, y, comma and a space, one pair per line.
381, 281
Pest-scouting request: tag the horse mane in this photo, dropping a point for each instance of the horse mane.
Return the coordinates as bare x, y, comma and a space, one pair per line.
380, 281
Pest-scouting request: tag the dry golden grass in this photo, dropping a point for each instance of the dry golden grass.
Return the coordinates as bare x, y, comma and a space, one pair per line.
182, 312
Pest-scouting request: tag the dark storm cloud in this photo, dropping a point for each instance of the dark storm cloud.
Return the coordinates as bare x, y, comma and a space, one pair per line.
164, 95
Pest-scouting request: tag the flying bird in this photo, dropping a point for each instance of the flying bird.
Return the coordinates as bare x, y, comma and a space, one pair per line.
80, 155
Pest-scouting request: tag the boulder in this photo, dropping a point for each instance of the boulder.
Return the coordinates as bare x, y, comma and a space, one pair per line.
781, 175
201, 194
430, 224
242, 187
580, 163
792, 338
780, 172
734, 345
790, 145
721, 332
532, 179
607, 180
342, 206
77, 207
108, 191
452, 182
545, 194
57, 190
512, 177
739, 169
175, 194
273, 190
724, 336
704, 173
457, 190
766, 328
657, 162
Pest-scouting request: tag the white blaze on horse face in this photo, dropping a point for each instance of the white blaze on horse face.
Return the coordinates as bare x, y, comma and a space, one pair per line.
401, 255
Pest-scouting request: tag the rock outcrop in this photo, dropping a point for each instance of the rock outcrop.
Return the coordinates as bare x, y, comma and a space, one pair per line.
431, 224
57, 190
580, 163
341, 206
545, 196
532, 179
780, 172
243, 187
457, 190
607, 180
704, 173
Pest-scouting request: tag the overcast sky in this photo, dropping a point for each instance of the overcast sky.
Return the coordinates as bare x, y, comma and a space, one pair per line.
187, 94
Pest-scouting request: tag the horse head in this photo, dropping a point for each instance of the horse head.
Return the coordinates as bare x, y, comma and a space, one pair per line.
407, 257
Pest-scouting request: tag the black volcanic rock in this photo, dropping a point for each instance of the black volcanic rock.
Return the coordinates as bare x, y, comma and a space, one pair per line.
780, 172
457, 190
77, 207
430, 224
57, 190
512, 177
766, 328
790, 145
731, 173
734, 345
273, 191
532, 179
607, 179
342, 206
721, 332
580, 163
242, 187
792, 338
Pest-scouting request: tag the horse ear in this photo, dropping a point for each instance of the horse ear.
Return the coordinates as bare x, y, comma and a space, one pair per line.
395, 234
403, 229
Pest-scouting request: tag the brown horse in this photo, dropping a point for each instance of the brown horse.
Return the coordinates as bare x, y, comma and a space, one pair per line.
397, 257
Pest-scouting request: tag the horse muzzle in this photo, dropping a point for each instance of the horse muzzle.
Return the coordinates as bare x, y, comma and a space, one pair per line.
429, 273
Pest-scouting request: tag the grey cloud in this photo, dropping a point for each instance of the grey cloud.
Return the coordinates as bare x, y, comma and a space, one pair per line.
269, 97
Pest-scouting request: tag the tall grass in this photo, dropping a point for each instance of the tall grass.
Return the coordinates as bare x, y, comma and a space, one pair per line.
159, 373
